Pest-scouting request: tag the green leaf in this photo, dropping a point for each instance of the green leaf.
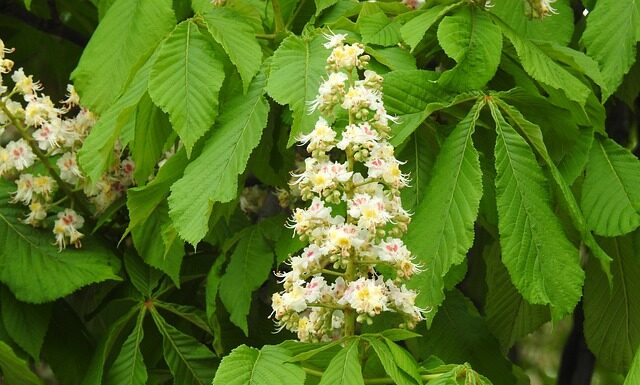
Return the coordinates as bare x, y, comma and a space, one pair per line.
152, 129
248, 268
557, 29
543, 265
377, 28
613, 48
542, 68
399, 334
96, 154
297, 69
15, 370
104, 348
533, 133
611, 189
395, 58
189, 361
344, 368
321, 5
633, 377
143, 277
420, 156
509, 316
129, 368
185, 81
224, 157
415, 29
32, 266
612, 313
190, 313
458, 335
475, 43
25, 323
238, 40
388, 363
404, 360
452, 197
125, 37
164, 256
250, 366
458, 375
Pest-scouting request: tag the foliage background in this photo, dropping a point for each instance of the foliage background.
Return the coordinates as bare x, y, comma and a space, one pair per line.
537, 223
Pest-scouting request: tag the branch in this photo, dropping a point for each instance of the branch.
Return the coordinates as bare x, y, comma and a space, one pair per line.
51, 27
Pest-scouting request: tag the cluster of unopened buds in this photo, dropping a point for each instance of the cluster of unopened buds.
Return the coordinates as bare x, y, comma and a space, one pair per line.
355, 218
48, 135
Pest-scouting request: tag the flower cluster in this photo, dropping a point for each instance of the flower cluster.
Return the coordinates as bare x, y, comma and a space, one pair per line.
49, 134
355, 218
538, 9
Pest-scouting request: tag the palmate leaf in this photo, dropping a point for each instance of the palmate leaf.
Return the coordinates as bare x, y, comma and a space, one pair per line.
613, 29
470, 37
447, 213
238, 40
542, 68
250, 366
248, 268
32, 266
190, 362
344, 368
15, 371
25, 323
543, 265
224, 157
612, 312
185, 81
123, 40
296, 72
509, 316
611, 189
129, 367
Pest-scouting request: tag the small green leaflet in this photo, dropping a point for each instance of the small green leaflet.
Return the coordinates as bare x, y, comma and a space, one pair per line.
470, 37
129, 368
248, 268
447, 213
611, 189
543, 264
633, 377
185, 81
224, 157
297, 69
125, 37
250, 366
189, 361
344, 368
415, 29
377, 28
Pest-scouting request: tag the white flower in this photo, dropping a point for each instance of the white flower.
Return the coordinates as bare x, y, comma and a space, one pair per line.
334, 40
25, 84
366, 296
20, 154
346, 56
6, 161
294, 299
24, 193
44, 185
358, 134
48, 135
67, 226
36, 214
321, 136
69, 170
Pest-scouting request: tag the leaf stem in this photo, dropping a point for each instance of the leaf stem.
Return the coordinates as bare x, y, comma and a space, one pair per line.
43, 158
277, 16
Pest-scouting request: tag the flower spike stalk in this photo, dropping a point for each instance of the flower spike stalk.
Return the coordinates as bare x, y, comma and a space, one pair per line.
354, 219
